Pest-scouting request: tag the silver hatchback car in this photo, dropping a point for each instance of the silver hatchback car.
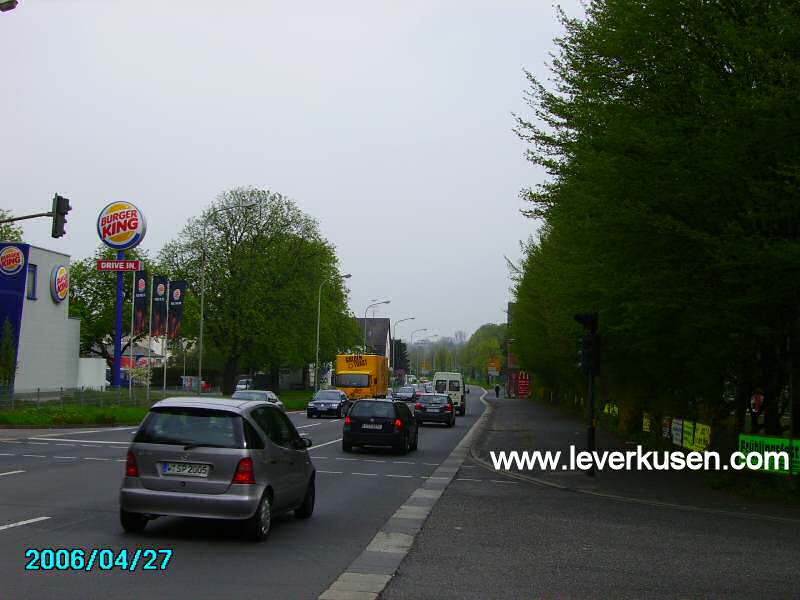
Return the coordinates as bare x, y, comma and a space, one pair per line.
217, 458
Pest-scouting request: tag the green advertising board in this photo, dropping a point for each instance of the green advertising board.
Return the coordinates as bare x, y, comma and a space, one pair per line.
761, 443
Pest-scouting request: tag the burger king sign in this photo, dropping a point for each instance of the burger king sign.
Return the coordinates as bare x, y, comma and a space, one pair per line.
121, 226
11, 260
59, 283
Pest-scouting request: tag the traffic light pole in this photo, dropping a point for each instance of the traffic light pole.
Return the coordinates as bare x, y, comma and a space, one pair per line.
590, 361
36, 216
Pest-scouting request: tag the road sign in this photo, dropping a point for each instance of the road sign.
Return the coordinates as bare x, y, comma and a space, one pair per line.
524, 384
119, 265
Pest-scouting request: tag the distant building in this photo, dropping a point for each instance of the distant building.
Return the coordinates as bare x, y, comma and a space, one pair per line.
34, 299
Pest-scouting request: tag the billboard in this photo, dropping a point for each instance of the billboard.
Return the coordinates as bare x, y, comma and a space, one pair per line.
141, 294
177, 292
158, 306
13, 277
59, 284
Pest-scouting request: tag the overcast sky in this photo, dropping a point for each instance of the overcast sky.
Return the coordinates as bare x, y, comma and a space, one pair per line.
388, 121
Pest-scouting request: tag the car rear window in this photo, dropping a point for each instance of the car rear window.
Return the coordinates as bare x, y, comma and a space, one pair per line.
434, 399
406, 390
186, 425
373, 409
441, 386
327, 396
242, 395
455, 385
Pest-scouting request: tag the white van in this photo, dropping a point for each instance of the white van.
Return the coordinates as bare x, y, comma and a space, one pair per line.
453, 385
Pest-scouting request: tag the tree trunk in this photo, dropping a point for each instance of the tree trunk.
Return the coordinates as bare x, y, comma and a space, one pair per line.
229, 375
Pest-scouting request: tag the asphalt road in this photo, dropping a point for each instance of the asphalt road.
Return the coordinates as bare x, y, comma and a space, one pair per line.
61, 491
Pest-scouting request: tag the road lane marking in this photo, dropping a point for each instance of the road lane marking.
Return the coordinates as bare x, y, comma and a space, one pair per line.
70, 445
7, 454
10, 473
318, 457
366, 474
80, 441
330, 472
340, 458
39, 443
20, 523
507, 482
91, 458
35, 455
431, 464
431, 477
403, 462
467, 479
375, 461
65, 457
304, 426
400, 476
326, 443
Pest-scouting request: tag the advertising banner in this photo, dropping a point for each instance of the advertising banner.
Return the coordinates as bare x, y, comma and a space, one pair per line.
141, 296
677, 432
13, 278
177, 291
761, 444
158, 307
666, 427
688, 435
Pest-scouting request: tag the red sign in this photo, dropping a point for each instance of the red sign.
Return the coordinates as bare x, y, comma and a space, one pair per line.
119, 265
524, 384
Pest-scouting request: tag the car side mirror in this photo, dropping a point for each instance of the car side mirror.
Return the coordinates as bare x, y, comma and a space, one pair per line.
303, 442
307, 442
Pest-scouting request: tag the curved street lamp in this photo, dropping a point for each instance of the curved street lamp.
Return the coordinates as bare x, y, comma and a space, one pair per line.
319, 313
365, 319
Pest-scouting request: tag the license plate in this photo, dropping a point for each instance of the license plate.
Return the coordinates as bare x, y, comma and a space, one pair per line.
372, 426
187, 469
433, 409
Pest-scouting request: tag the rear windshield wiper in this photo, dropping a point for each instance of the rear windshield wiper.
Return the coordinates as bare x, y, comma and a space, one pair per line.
201, 445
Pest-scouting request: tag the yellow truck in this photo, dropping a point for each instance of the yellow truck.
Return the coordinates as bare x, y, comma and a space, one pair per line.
362, 375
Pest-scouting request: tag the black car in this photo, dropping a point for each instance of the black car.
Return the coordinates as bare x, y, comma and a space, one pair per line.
331, 403
435, 408
380, 423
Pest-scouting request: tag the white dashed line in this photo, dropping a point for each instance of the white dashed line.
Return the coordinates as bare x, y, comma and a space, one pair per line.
19, 523
401, 476
508, 482
90, 446
330, 472
403, 462
366, 474
6, 454
431, 464
92, 458
304, 426
467, 479
10, 473
318, 457
65, 457
39, 443
340, 458
65, 444
434, 477
326, 443
34, 455
375, 461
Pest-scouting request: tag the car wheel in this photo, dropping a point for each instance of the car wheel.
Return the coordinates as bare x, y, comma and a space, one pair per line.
416, 441
347, 446
257, 527
452, 421
132, 522
306, 509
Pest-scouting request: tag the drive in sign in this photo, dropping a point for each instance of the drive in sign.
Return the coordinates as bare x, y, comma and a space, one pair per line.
119, 265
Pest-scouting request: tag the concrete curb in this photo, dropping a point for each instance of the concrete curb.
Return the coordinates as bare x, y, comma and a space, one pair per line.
371, 571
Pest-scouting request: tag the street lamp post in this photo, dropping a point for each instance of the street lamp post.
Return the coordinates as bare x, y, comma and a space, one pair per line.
203, 291
319, 313
394, 347
411, 343
365, 319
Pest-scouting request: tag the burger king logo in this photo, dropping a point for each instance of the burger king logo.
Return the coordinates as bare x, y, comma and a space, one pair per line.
11, 260
121, 226
142, 284
59, 283
176, 295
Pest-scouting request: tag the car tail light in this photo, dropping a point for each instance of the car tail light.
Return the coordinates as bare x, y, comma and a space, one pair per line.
244, 472
348, 420
448, 408
131, 468
418, 406
398, 423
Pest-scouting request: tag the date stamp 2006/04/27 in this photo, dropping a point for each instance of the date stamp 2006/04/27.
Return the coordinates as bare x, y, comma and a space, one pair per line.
100, 559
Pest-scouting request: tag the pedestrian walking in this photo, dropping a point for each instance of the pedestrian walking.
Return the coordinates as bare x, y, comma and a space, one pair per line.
497, 391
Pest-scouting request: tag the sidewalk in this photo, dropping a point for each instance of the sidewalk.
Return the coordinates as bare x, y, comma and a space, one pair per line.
493, 536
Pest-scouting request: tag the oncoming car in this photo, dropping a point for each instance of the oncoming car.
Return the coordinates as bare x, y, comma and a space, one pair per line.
263, 395
240, 460
332, 403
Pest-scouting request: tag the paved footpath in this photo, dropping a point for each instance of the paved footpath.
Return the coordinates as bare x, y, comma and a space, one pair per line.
565, 535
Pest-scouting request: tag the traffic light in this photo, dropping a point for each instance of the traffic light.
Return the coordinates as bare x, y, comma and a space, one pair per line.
7, 5
589, 354
60, 209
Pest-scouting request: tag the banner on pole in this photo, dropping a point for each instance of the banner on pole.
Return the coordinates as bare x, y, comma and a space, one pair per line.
141, 295
158, 324
177, 290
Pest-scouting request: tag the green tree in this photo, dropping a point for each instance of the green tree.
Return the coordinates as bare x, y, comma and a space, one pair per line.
487, 342
93, 300
9, 232
265, 260
671, 142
